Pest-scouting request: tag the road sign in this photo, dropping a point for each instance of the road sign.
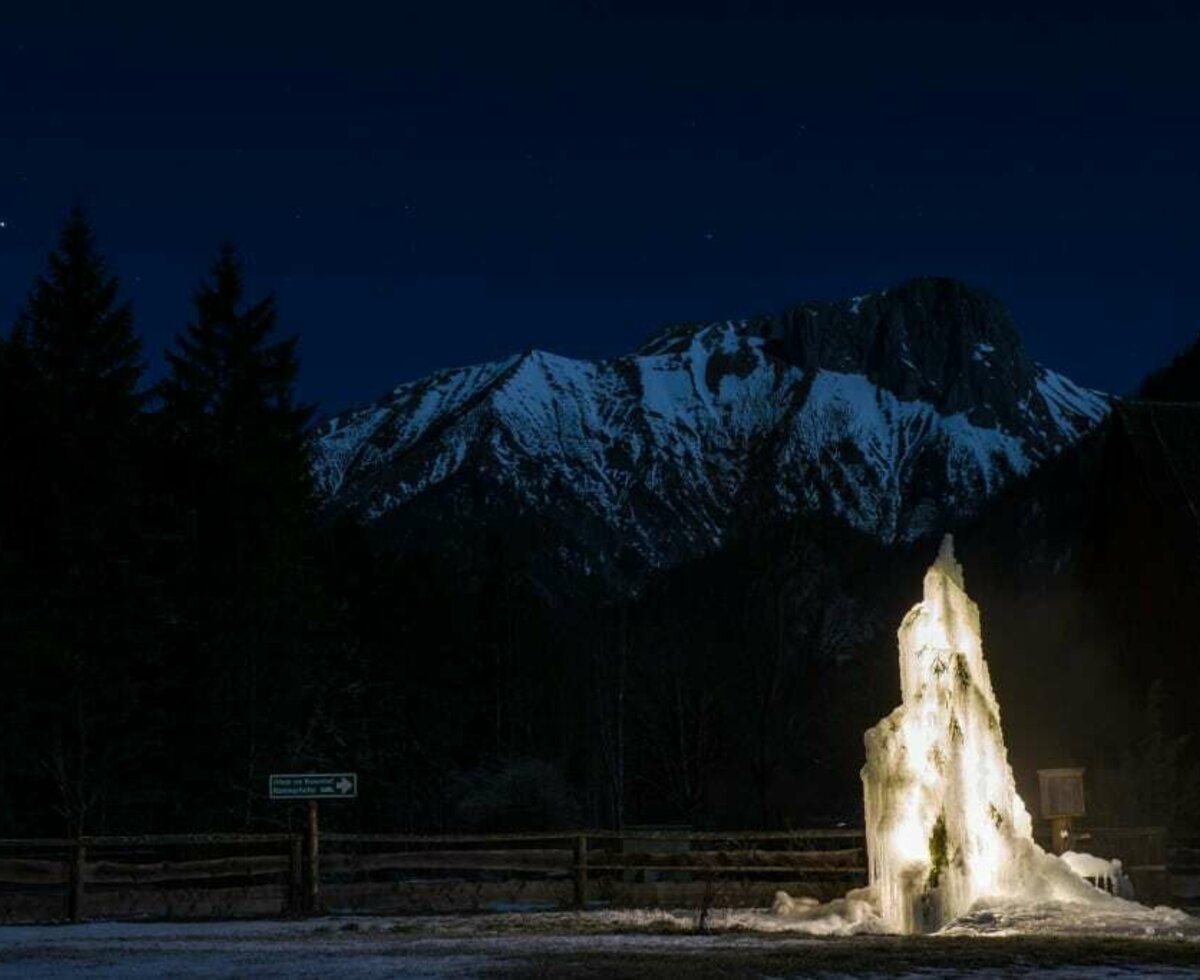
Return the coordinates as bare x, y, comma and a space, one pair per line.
314, 785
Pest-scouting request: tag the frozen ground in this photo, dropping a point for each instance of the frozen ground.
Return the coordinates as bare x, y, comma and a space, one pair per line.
1001, 943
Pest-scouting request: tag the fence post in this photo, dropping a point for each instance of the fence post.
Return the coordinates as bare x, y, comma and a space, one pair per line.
312, 864
75, 882
581, 874
296, 876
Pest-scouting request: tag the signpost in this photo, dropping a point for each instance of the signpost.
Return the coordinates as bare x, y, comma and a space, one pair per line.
313, 787
1062, 799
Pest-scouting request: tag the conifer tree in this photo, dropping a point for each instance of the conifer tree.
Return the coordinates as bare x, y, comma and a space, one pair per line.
79, 363
238, 447
229, 406
70, 490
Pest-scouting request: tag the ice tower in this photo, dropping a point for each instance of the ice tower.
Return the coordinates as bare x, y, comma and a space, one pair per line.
945, 825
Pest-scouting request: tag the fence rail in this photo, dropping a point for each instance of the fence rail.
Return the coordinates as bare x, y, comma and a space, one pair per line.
231, 875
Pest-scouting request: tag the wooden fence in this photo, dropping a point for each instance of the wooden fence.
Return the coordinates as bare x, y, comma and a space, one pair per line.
166, 876
233, 875
1183, 869
237, 875
397, 873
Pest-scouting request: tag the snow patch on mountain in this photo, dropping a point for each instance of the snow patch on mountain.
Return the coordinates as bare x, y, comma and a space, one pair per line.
1074, 409
871, 445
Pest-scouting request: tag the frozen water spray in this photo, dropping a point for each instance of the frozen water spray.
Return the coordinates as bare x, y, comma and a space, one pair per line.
945, 826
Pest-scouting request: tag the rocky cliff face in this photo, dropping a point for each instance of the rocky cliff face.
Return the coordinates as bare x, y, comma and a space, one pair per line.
899, 413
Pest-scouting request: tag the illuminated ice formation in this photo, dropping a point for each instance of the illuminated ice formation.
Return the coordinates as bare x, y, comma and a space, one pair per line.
946, 831
945, 826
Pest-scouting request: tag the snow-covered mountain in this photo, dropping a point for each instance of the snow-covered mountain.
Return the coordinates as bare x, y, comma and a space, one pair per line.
900, 413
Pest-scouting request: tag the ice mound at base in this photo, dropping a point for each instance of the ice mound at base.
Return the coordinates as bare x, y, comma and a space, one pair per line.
858, 914
1117, 918
946, 830
853, 914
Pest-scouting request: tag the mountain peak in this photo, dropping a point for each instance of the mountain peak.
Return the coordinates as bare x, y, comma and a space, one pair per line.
933, 339
936, 340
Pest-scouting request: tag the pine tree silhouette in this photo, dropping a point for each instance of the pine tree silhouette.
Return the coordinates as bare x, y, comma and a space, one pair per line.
228, 403
71, 515
237, 447
81, 364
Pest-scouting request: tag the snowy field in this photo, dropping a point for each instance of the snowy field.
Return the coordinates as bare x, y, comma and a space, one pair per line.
639, 944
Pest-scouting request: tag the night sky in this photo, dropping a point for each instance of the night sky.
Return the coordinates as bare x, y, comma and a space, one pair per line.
426, 185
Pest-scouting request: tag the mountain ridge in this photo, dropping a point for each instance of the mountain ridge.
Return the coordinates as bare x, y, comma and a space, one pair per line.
898, 412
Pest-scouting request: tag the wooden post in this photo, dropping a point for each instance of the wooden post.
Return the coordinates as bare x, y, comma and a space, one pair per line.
75, 882
296, 896
581, 874
312, 864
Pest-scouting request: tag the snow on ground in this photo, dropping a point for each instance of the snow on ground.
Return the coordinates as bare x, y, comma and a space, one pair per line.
1027, 942
1118, 919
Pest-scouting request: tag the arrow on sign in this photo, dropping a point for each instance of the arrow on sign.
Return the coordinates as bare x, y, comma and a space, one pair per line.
344, 785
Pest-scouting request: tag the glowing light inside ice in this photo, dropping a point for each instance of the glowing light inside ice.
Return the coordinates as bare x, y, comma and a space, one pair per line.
945, 826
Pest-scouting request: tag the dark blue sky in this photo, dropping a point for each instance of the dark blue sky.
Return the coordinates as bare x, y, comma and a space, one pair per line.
435, 184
